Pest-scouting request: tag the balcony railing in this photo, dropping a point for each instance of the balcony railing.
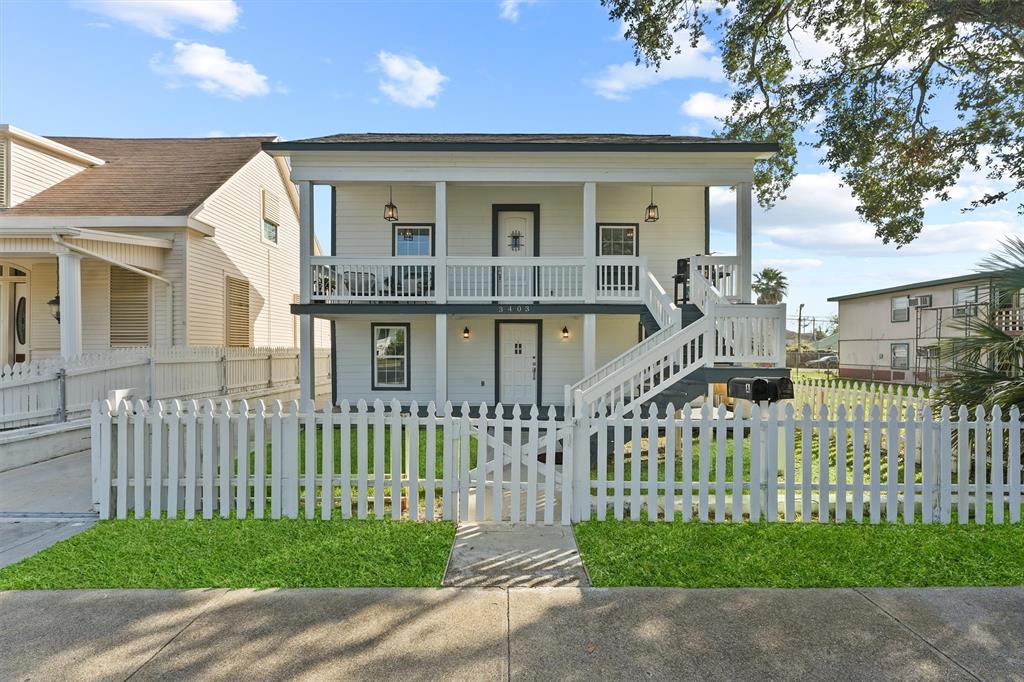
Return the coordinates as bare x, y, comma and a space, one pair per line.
509, 279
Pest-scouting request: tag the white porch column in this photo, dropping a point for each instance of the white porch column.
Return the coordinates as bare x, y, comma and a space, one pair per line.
69, 285
589, 344
590, 242
441, 241
743, 240
307, 371
440, 362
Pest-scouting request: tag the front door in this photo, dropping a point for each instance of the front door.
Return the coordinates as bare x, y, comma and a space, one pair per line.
515, 240
20, 317
519, 362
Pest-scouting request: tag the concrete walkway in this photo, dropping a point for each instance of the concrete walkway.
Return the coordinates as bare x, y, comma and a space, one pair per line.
545, 633
514, 555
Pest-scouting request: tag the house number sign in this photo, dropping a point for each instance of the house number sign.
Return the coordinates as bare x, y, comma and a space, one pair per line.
504, 309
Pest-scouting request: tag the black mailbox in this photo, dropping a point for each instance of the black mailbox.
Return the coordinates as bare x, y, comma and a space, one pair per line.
761, 389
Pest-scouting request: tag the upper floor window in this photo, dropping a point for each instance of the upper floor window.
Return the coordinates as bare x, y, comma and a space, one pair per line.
618, 239
900, 309
271, 216
963, 295
412, 240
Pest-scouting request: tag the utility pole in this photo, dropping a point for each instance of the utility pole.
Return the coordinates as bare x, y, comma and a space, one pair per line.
799, 333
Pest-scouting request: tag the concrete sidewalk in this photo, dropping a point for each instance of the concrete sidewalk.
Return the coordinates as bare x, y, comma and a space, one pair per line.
538, 633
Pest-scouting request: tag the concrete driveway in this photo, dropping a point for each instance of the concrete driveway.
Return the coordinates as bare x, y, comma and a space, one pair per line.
531, 633
42, 504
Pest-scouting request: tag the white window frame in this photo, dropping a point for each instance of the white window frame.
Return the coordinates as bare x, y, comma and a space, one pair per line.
375, 384
893, 308
395, 238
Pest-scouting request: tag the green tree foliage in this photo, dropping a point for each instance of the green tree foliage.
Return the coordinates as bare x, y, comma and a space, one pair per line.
770, 285
900, 96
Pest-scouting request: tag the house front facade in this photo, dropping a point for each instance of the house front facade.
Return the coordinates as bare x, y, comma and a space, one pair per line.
111, 242
894, 334
506, 268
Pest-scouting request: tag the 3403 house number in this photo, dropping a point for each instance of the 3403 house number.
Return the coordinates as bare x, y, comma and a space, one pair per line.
504, 309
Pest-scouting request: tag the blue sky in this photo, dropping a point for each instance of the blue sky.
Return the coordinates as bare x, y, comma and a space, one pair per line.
301, 69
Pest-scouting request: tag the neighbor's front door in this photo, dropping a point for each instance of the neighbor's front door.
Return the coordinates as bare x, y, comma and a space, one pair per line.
519, 363
515, 232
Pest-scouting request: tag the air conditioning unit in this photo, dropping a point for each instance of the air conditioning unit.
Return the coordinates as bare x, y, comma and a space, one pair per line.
924, 301
966, 310
928, 352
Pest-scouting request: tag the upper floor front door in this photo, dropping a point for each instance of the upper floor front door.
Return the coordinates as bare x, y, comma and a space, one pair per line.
515, 235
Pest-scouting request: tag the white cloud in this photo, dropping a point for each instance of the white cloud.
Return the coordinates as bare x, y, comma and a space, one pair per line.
212, 70
619, 80
510, 8
793, 263
706, 105
409, 81
163, 17
819, 215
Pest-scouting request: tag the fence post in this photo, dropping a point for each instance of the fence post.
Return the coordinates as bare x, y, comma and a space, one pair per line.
579, 473
62, 395
152, 378
224, 374
270, 370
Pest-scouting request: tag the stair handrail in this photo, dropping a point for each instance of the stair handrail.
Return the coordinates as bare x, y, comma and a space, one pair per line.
676, 340
623, 359
659, 303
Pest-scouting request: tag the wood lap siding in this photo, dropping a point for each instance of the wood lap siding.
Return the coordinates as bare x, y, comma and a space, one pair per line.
129, 309
237, 316
238, 250
33, 170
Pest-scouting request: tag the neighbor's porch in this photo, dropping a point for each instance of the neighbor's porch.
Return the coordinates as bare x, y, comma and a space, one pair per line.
65, 292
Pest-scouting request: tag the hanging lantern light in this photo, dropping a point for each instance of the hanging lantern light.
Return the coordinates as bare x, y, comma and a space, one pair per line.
54, 304
565, 332
390, 210
651, 215
465, 332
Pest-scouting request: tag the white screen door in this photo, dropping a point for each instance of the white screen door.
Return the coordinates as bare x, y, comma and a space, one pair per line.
519, 363
515, 232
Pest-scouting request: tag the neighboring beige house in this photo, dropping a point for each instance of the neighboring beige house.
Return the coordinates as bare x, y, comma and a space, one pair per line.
893, 334
144, 242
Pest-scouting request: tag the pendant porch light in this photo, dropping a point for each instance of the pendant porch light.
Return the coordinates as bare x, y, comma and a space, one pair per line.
651, 215
390, 210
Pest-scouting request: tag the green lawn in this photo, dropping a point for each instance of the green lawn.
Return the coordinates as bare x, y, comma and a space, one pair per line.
622, 553
231, 553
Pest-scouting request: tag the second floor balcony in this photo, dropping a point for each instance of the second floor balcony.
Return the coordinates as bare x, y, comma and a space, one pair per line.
617, 279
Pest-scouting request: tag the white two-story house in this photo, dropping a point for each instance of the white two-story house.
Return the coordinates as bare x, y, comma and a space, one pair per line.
510, 268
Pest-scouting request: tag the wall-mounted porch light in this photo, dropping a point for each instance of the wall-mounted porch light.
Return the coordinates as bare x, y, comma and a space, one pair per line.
465, 332
651, 215
565, 332
390, 210
54, 304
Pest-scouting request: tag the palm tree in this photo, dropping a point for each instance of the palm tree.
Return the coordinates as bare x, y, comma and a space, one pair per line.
986, 365
770, 285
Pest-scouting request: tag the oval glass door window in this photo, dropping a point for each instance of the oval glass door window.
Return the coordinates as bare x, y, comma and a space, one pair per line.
20, 320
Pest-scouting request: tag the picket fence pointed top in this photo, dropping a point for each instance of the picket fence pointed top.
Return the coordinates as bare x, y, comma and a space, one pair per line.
345, 406
534, 412
516, 412
361, 405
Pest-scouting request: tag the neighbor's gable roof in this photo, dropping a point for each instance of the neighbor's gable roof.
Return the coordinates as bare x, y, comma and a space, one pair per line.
469, 142
143, 177
973, 277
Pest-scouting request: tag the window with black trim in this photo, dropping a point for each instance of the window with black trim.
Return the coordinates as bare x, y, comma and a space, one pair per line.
899, 356
618, 240
900, 309
413, 240
390, 356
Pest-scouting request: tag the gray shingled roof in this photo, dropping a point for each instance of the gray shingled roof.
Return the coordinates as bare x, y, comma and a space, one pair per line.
143, 177
521, 142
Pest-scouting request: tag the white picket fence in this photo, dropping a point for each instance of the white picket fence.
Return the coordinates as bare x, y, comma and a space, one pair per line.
380, 461
833, 393
53, 389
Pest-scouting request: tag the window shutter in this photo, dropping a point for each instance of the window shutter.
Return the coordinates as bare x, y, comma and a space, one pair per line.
237, 311
271, 207
129, 309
